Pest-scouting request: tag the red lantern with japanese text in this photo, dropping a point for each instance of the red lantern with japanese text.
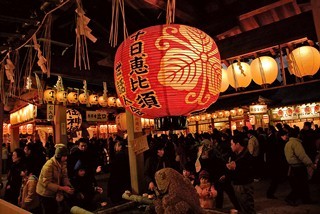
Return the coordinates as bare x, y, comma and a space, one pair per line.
317, 108
167, 71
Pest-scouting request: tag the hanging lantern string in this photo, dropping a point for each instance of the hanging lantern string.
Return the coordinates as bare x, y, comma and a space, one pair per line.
113, 38
171, 8
263, 76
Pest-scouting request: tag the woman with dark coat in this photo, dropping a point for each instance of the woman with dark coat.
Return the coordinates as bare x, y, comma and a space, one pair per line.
119, 180
14, 179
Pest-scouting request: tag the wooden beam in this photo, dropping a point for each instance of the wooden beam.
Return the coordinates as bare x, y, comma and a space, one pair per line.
315, 4
269, 35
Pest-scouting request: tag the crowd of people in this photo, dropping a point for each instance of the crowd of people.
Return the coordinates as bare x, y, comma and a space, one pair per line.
53, 178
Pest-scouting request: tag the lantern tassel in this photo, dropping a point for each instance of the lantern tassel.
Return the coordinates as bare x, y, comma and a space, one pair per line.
113, 38
171, 8
42, 62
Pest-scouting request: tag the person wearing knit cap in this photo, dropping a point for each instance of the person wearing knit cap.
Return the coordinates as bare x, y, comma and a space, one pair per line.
53, 179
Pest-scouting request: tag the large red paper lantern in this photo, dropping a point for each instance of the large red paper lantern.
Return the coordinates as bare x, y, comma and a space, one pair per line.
167, 70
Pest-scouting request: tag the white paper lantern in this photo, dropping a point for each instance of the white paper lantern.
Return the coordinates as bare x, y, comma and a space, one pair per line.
83, 98
264, 70
72, 97
118, 102
121, 121
112, 101
93, 99
102, 101
224, 80
49, 95
61, 96
239, 76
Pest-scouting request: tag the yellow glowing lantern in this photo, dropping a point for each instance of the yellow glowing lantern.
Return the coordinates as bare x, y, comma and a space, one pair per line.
29, 128
83, 98
280, 112
23, 129
220, 114
307, 109
112, 101
264, 70
118, 102
316, 108
214, 115
103, 101
103, 129
197, 118
304, 61
72, 97
192, 118
289, 111
233, 112
5, 128
93, 99
297, 110
208, 116
226, 113
49, 95
239, 74
121, 121
61, 96
224, 80
240, 112
203, 117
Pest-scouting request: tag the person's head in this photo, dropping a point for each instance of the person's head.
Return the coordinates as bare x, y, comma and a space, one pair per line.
284, 135
159, 148
245, 129
188, 169
61, 152
238, 143
83, 144
27, 150
17, 155
279, 126
293, 133
307, 125
204, 176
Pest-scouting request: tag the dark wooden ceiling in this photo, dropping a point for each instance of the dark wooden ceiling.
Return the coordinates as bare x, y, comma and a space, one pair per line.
239, 27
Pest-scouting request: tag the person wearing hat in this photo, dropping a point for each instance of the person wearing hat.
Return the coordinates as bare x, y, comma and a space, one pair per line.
206, 191
53, 179
240, 169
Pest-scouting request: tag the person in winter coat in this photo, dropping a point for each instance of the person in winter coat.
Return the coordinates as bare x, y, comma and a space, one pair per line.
53, 178
13, 186
29, 199
206, 191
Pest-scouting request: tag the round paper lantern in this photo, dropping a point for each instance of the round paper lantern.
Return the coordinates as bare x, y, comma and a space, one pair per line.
220, 114
226, 113
49, 95
61, 96
5, 128
121, 121
102, 101
289, 111
118, 102
297, 110
192, 118
233, 112
167, 71
83, 98
103, 129
317, 108
23, 129
304, 61
197, 118
203, 117
264, 70
214, 115
208, 116
307, 109
224, 80
280, 112
112, 101
93, 99
240, 112
239, 75
29, 128
72, 97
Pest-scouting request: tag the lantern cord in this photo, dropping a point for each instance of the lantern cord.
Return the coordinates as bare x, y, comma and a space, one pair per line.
263, 77
171, 8
234, 77
113, 37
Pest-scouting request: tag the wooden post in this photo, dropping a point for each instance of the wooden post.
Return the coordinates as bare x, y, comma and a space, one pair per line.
60, 124
1, 135
14, 138
284, 80
136, 162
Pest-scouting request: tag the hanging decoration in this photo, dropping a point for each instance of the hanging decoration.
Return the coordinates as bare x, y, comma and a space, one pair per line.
103, 101
112, 102
47, 42
61, 96
183, 60
264, 70
304, 61
28, 83
2, 90
83, 32
116, 6
42, 62
239, 75
121, 121
9, 67
49, 95
74, 120
93, 99
171, 8
83, 98
118, 102
40, 89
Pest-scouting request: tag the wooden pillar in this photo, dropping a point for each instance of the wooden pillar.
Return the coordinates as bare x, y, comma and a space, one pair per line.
60, 124
1, 135
14, 138
315, 5
136, 162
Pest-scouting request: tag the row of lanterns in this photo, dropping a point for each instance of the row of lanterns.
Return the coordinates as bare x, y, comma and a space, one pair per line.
26, 129
121, 122
307, 109
107, 129
6, 128
73, 97
302, 61
219, 114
